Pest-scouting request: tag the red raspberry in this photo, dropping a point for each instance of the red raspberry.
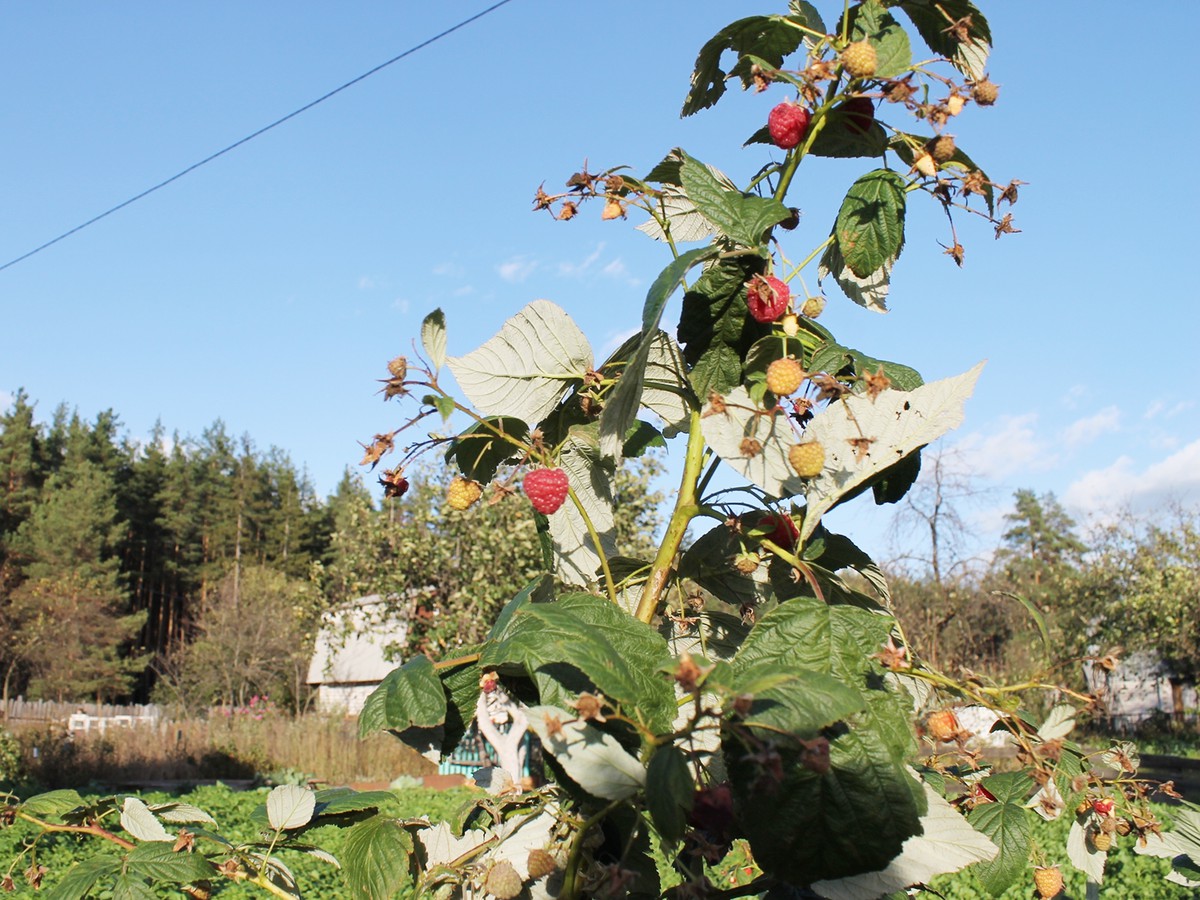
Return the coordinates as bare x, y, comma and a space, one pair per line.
546, 489
859, 113
768, 298
785, 535
1103, 807
788, 123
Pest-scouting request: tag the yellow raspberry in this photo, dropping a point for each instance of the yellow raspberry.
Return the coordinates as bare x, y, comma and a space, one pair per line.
540, 863
463, 492
1102, 841
860, 59
1048, 880
784, 377
808, 459
503, 882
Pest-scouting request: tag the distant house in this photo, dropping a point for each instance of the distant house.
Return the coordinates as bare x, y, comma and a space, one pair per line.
357, 646
1139, 687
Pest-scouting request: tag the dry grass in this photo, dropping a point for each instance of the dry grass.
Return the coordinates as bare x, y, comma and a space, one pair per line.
326, 749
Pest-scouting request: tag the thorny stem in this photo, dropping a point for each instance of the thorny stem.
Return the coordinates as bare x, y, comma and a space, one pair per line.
686, 508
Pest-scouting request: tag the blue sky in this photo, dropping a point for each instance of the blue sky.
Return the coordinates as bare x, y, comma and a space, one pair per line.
270, 287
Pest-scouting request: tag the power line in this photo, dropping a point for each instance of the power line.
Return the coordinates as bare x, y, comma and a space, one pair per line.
194, 166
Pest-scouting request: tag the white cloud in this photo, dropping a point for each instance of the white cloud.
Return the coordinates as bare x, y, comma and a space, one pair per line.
1013, 448
1160, 408
366, 282
449, 269
1087, 429
1073, 395
575, 270
516, 269
401, 304
463, 291
1173, 479
616, 340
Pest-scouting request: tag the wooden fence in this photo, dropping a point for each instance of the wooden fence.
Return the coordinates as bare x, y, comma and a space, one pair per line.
46, 712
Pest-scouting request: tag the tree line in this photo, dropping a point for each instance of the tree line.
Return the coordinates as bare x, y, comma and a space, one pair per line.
196, 569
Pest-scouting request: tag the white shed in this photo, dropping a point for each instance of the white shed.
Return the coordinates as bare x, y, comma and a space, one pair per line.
358, 645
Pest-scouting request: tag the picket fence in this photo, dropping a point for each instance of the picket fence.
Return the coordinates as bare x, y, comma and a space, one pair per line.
20, 711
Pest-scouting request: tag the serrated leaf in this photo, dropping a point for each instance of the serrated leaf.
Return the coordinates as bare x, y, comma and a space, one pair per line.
843, 137
433, 338
932, 19
870, 222
158, 861
670, 792
623, 670
137, 819
1083, 856
79, 880
128, 887
770, 37
290, 806
375, 858
666, 391
333, 802
869, 292
793, 700
593, 759
575, 550
743, 218
708, 563
181, 813
897, 423
684, 222
1006, 822
410, 696
52, 803
524, 370
947, 844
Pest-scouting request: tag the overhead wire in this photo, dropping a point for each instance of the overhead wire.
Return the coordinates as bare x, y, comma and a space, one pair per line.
194, 166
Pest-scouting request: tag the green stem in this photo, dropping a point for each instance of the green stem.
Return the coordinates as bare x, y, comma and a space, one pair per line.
595, 536
570, 890
95, 830
686, 508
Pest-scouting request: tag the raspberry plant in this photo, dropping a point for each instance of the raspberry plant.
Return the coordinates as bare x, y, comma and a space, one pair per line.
744, 707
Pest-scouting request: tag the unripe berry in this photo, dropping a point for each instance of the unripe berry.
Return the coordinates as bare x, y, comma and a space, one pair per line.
942, 725
462, 493
941, 148
1102, 841
1048, 880
985, 92
808, 459
860, 59
503, 882
784, 377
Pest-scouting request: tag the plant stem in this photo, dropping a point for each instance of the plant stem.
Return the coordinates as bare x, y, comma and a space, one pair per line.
570, 889
594, 535
686, 508
95, 830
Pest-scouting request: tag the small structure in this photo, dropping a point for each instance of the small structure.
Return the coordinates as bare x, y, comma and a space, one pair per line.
1141, 686
358, 645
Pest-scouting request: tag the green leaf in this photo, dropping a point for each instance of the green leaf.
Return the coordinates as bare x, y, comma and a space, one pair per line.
623, 672
444, 406
158, 861
410, 696
870, 223
479, 450
182, 813
707, 562
538, 590
947, 844
376, 858
334, 802
873, 22
844, 137
82, 877
1006, 822
593, 759
670, 792
524, 370
461, 684
433, 338
933, 17
52, 803
716, 328
770, 37
903, 144
743, 218
585, 631
290, 806
1034, 613
128, 887
795, 700
835, 359
869, 292
137, 819
620, 411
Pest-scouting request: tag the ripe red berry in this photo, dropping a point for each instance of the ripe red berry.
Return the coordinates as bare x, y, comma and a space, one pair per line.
546, 489
788, 123
785, 533
767, 297
859, 114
